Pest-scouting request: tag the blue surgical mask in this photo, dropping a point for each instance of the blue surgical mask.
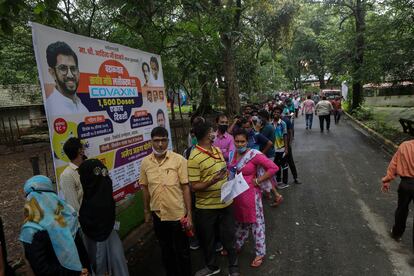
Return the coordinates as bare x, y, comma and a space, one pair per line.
241, 150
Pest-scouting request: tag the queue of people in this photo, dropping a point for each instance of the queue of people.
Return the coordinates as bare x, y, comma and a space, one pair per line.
72, 233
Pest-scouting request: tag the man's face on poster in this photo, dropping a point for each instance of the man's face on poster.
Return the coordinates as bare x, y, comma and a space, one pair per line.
66, 74
154, 69
161, 95
149, 96
155, 96
161, 119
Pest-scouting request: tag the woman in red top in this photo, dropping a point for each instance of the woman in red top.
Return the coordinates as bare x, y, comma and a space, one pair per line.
337, 105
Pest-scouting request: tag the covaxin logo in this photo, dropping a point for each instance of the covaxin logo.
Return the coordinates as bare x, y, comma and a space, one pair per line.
112, 90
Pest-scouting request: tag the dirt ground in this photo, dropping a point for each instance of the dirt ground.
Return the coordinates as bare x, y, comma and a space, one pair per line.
15, 169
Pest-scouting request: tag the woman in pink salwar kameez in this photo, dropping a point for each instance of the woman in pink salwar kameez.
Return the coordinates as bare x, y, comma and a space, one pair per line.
248, 208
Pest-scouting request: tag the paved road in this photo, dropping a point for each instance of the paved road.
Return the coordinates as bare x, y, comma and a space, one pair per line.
335, 223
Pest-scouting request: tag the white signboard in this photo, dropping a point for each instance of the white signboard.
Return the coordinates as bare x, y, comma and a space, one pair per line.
108, 95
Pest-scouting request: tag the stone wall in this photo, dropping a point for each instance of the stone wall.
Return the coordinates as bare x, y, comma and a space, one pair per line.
398, 101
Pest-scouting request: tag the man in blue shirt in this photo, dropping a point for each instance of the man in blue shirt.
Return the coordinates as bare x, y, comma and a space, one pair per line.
256, 140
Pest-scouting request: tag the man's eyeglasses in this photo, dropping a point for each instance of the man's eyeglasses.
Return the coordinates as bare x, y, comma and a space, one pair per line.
64, 69
156, 141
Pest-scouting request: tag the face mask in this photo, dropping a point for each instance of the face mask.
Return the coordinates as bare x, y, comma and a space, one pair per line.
194, 141
223, 128
241, 150
84, 157
158, 153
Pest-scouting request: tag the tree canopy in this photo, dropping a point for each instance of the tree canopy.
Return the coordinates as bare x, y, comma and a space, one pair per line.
217, 50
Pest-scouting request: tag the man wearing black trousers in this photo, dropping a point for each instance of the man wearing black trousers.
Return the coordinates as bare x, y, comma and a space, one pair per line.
402, 165
167, 201
289, 157
323, 109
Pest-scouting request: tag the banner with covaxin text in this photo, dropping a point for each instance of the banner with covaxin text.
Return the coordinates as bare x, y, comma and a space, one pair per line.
108, 95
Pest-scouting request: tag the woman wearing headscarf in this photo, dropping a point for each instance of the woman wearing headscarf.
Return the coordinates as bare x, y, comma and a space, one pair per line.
50, 237
97, 219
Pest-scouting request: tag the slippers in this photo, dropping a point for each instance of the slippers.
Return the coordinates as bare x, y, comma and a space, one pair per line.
277, 201
257, 261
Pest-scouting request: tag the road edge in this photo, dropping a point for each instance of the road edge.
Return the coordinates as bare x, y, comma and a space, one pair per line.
389, 146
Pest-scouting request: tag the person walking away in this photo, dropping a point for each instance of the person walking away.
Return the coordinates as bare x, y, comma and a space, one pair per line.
296, 103
224, 140
281, 147
51, 240
256, 169
290, 161
69, 186
308, 109
5, 268
167, 202
337, 107
267, 129
207, 173
323, 109
97, 220
402, 165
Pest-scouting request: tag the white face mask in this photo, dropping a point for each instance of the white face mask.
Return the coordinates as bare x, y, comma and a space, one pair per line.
159, 153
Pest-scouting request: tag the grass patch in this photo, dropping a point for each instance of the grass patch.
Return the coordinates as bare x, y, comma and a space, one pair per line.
385, 120
131, 217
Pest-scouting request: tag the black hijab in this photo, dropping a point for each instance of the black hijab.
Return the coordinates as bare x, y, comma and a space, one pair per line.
97, 212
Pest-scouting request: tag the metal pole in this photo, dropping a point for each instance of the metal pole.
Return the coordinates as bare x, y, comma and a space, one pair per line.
35, 165
18, 128
6, 140
13, 142
46, 168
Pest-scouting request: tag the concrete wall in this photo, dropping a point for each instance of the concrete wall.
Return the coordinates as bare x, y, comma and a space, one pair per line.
27, 117
402, 101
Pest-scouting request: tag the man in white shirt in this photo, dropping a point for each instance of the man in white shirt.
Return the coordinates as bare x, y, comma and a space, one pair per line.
296, 103
69, 186
63, 67
323, 109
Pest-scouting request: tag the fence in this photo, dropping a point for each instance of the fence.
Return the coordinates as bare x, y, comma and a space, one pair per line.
179, 134
10, 134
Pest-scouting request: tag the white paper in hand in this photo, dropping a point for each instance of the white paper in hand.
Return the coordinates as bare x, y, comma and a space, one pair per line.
233, 188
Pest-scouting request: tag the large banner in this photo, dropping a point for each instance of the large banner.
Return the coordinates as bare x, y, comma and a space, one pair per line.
108, 95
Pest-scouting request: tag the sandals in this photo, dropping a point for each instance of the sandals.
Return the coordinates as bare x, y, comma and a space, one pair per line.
257, 261
277, 202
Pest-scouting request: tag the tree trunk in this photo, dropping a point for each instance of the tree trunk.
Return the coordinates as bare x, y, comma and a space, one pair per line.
322, 83
172, 99
231, 94
205, 104
179, 104
360, 12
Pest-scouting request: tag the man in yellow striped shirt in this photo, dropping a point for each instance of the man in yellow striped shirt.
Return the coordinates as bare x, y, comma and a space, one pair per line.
207, 173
